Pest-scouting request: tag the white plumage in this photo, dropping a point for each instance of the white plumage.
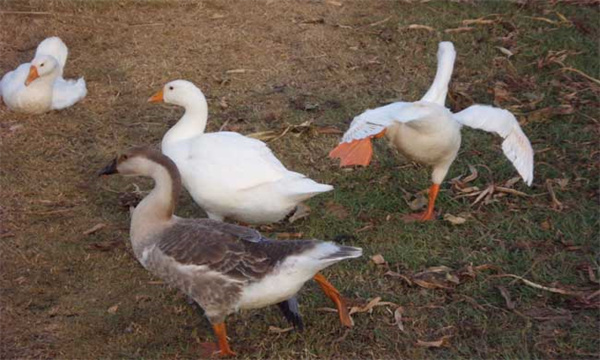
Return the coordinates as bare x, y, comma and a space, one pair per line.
427, 132
47, 89
230, 175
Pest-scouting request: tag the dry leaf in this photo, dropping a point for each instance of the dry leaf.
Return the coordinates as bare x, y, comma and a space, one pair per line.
302, 211
329, 130
454, 220
398, 317
378, 259
336, 210
370, 305
506, 295
278, 330
505, 51
94, 229
459, 30
113, 309
334, 3
420, 27
479, 21
441, 342
418, 203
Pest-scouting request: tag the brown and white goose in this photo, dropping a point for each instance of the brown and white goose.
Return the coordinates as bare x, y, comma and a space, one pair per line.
223, 267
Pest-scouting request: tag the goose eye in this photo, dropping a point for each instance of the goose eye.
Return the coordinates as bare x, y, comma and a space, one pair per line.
124, 157
42, 65
170, 88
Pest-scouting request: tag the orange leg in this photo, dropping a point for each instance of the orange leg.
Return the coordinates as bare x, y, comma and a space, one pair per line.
221, 333
429, 213
433, 193
335, 296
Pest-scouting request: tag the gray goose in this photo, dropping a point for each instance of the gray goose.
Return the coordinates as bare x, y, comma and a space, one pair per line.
222, 267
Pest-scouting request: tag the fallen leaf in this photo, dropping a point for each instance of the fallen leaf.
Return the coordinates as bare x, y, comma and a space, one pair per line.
505, 51
329, 130
418, 203
302, 211
420, 27
336, 210
454, 220
113, 309
370, 305
479, 21
459, 30
378, 259
438, 343
277, 330
94, 229
506, 295
398, 317
237, 71
334, 3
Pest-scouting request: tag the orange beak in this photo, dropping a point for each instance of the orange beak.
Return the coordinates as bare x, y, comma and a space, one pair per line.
158, 97
33, 74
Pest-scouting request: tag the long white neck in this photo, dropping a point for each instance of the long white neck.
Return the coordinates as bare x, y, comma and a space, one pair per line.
192, 123
156, 210
439, 89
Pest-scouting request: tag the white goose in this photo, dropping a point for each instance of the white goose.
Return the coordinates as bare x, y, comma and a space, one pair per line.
229, 175
39, 87
427, 132
223, 267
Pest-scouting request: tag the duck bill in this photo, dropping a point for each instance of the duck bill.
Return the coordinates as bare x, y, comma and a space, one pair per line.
33, 74
109, 169
158, 97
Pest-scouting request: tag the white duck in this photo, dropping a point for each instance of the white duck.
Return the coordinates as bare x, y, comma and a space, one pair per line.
38, 87
229, 175
223, 267
427, 132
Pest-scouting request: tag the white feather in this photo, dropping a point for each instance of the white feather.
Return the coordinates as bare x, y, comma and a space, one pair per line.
67, 92
516, 145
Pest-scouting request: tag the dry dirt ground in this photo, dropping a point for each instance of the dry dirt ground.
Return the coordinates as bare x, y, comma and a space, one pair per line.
307, 67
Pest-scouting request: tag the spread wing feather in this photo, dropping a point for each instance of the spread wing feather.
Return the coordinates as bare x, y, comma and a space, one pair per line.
516, 145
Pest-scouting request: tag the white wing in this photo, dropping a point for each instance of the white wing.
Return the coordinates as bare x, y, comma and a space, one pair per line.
55, 47
439, 89
516, 145
67, 92
374, 121
14, 81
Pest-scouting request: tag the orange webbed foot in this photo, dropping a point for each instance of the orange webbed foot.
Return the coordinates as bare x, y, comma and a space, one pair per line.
332, 293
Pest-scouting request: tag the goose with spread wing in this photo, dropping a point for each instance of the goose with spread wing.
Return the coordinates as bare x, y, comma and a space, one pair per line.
427, 132
39, 87
223, 267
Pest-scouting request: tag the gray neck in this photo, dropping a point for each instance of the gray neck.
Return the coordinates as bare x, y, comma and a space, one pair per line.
155, 212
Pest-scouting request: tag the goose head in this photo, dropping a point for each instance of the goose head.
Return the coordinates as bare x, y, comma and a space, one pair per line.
179, 92
42, 66
139, 161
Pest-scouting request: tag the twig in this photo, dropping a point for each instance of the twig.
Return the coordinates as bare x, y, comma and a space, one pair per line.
541, 287
568, 68
556, 205
25, 13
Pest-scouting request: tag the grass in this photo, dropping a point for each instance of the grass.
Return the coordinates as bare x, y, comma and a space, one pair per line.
58, 284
